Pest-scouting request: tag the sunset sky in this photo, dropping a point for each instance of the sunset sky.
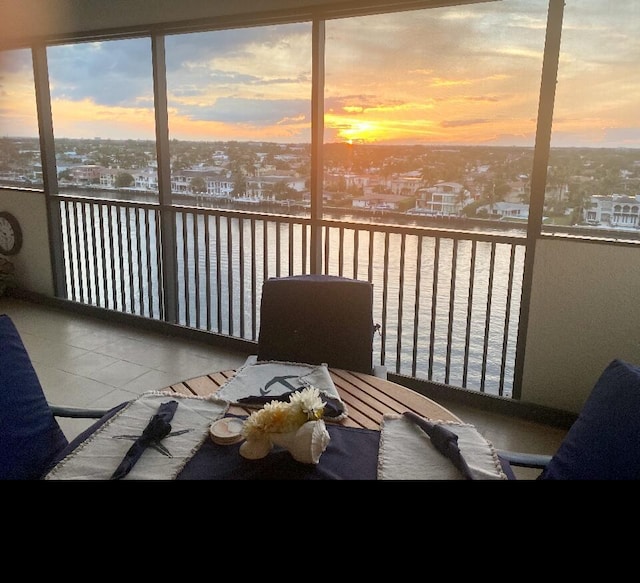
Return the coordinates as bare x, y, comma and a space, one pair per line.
461, 75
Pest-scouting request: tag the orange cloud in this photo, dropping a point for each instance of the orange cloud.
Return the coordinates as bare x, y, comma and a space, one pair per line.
86, 119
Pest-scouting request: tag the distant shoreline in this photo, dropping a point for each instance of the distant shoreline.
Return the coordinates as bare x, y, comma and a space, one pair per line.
395, 217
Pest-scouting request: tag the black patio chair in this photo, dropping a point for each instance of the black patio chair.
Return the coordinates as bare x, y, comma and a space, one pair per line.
317, 319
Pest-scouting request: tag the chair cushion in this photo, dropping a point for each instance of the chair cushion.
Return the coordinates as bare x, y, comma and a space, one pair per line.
30, 436
603, 443
317, 319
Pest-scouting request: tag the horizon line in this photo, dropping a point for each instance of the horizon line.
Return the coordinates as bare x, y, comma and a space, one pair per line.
344, 143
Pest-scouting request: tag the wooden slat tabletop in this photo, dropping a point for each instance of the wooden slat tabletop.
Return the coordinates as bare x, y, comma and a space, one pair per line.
366, 397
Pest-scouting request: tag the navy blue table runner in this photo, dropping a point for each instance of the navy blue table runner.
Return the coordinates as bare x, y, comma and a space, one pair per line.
352, 454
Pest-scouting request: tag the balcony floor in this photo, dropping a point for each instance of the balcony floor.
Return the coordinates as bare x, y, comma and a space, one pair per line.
85, 361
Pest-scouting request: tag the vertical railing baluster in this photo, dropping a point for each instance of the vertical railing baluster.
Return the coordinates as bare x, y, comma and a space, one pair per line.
140, 302
434, 298
487, 326
91, 254
69, 249
278, 250
125, 263
129, 263
185, 267
83, 257
104, 270
103, 246
403, 244
111, 212
385, 295
416, 310
341, 252
327, 248
230, 277
78, 295
507, 318
110, 266
356, 251
80, 233
241, 276
95, 285
207, 268
123, 300
159, 265
196, 265
305, 249
291, 248
218, 275
370, 256
254, 283
467, 334
149, 271
452, 303
265, 250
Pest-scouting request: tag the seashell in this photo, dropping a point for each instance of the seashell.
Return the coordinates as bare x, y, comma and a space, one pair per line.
307, 444
255, 449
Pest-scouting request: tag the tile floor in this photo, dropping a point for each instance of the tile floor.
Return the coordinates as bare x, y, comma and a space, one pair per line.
85, 361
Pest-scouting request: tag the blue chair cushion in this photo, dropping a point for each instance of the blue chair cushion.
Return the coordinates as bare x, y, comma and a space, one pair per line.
604, 442
30, 437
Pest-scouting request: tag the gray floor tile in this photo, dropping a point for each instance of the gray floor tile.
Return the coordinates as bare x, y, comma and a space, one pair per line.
152, 380
87, 364
118, 374
49, 351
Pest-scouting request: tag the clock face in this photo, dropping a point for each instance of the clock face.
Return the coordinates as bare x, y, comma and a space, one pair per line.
10, 234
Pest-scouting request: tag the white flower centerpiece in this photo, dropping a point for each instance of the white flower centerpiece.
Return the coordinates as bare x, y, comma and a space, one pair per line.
298, 426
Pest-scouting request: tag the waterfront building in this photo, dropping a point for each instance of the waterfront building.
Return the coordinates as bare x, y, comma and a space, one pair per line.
445, 199
379, 202
506, 210
615, 210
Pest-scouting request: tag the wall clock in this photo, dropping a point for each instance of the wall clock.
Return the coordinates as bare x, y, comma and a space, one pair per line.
10, 234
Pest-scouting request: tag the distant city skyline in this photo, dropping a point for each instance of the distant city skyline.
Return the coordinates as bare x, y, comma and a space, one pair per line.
464, 75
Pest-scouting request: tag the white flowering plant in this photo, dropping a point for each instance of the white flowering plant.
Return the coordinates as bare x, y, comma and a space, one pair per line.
282, 417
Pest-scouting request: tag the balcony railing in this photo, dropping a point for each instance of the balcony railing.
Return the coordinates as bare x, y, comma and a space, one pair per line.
447, 302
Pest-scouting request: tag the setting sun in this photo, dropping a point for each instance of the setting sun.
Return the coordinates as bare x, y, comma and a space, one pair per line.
356, 131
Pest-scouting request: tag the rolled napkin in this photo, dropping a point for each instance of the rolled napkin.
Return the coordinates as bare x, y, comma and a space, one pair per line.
157, 429
333, 408
444, 440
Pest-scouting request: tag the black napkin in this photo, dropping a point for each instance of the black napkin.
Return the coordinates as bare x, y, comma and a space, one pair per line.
332, 407
444, 440
156, 430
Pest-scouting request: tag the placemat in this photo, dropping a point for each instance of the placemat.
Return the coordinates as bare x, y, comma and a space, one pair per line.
256, 382
406, 453
98, 456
